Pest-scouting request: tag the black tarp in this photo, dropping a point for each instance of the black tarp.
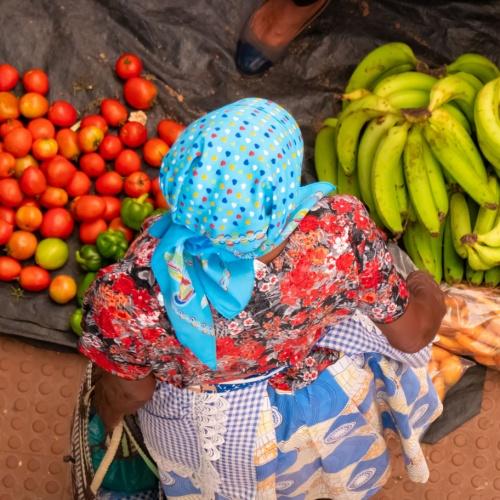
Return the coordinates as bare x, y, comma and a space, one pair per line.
188, 47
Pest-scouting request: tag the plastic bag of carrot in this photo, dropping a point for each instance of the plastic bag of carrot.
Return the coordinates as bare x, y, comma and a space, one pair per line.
471, 326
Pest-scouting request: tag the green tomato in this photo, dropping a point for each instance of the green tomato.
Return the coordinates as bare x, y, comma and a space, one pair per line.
51, 253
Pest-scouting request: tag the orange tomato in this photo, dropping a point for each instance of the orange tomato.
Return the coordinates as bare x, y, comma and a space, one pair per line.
33, 105
41, 128
54, 197
7, 164
154, 150
29, 218
23, 163
9, 106
22, 245
89, 138
43, 149
18, 142
67, 141
62, 289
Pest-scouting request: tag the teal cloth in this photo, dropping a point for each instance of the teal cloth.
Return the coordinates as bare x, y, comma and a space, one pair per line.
232, 180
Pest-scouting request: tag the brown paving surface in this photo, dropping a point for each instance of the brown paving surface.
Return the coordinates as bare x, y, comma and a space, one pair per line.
38, 389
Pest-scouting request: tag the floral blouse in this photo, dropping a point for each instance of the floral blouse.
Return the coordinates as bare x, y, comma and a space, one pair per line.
335, 262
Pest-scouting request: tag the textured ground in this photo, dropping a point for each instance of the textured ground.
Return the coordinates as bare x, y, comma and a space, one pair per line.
38, 389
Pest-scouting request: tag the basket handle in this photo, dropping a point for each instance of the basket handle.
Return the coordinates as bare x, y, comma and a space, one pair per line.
107, 459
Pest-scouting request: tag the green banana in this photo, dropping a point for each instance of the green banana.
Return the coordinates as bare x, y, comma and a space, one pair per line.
458, 155
492, 276
486, 217
437, 250
492, 237
490, 256
325, 155
429, 250
409, 99
453, 265
331, 121
436, 181
473, 277
385, 163
471, 79
368, 144
417, 181
411, 80
410, 245
379, 61
481, 67
453, 88
354, 95
460, 224
347, 184
351, 121
395, 70
486, 118
458, 115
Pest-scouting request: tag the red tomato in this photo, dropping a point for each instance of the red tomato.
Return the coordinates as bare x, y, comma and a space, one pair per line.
62, 114
36, 80
9, 106
60, 171
79, 185
110, 147
9, 125
41, 128
54, 197
7, 164
133, 134
29, 218
67, 141
114, 112
110, 184
154, 150
57, 223
118, 225
160, 201
32, 181
169, 130
127, 162
89, 231
34, 278
128, 66
8, 215
155, 185
9, 268
8, 77
113, 206
33, 105
23, 163
89, 207
136, 184
44, 149
6, 231
92, 164
95, 121
89, 138
139, 93
18, 142
10, 193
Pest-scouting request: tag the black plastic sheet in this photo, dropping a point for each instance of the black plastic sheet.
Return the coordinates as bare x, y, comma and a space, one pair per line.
188, 47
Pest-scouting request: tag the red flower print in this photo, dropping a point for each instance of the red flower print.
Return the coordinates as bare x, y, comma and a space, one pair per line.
308, 223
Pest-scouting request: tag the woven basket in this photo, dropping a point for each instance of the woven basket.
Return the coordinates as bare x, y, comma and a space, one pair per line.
125, 440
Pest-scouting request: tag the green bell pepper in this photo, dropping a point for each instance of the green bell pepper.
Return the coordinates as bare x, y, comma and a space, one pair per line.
112, 244
83, 286
135, 210
89, 258
75, 322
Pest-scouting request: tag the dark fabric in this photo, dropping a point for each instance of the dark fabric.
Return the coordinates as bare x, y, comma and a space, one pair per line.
188, 47
303, 3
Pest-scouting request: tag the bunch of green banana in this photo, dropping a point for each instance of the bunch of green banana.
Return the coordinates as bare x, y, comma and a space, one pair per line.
411, 143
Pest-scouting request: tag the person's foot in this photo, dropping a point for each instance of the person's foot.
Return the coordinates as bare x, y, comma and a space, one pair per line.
270, 30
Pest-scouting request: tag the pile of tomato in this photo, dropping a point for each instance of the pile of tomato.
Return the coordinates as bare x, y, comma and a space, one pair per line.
62, 174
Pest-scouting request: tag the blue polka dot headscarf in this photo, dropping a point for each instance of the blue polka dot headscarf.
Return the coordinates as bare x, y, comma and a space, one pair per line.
232, 180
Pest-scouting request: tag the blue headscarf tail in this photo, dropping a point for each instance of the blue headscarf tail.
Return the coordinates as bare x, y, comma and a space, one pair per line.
232, 181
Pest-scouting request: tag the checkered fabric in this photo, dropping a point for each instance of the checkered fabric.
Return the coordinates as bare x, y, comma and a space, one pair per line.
359, 335
171, 430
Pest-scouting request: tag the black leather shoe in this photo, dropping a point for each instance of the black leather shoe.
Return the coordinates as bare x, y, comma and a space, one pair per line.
254, 57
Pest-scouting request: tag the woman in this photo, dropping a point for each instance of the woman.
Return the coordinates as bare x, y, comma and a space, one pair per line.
214, 326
